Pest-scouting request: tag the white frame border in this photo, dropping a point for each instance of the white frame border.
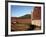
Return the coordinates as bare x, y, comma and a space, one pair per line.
23, 32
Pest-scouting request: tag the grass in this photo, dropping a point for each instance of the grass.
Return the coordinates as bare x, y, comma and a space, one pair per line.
23, 24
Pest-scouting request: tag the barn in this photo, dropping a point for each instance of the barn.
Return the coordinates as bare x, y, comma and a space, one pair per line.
36, 16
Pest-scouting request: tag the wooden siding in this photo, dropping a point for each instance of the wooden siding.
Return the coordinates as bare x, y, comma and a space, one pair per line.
36, 13
22, 20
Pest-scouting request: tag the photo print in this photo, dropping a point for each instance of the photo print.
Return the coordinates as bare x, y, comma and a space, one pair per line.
25, 18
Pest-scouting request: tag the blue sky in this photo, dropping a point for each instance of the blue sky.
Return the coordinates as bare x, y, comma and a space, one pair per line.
17, 11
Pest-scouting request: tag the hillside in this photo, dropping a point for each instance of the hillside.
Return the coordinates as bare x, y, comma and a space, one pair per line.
25, 16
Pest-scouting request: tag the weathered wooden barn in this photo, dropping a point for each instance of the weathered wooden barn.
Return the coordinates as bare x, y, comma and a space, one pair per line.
36, 16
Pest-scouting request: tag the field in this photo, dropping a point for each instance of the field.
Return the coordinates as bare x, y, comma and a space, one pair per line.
23, 27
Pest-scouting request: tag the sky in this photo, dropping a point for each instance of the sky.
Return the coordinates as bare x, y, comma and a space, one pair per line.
17, 11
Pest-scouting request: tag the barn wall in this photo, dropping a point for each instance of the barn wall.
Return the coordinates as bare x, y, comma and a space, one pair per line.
22, 20
36, 22
36, 16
